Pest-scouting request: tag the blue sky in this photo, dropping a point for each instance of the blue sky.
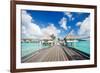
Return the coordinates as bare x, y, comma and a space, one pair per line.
61, 22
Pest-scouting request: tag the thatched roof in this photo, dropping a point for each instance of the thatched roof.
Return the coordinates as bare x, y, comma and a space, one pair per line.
71, 37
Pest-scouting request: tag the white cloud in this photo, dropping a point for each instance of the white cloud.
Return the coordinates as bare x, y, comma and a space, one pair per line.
63, 23
72, 32
85, 27
69, 27
26, 18
29, 29
72, 18
78, 23
32, 30
51, 29
68, 14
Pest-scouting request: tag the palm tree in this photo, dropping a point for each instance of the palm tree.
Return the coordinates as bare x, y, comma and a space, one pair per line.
65, 40
53, 36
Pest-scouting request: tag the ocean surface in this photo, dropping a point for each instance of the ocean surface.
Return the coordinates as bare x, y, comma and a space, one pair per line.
83, 46
28, 48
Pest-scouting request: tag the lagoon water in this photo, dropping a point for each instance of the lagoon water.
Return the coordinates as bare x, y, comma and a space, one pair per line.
28, 48
83, 46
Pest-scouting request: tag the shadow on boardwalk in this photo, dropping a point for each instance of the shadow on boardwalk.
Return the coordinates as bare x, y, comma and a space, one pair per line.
55, 53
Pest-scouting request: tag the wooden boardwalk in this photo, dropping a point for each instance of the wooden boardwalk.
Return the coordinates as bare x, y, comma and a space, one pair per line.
55, 53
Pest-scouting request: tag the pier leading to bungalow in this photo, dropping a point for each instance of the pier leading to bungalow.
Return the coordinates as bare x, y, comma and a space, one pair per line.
55, 53
56, 50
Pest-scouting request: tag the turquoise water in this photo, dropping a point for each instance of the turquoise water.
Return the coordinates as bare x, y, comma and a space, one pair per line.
28, 48
83, 46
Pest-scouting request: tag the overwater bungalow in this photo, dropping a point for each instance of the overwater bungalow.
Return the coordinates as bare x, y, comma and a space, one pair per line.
26, 40
47, 41
44, 40
71, 39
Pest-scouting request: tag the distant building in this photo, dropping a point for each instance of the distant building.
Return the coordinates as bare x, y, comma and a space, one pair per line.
44, 40
71, 39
